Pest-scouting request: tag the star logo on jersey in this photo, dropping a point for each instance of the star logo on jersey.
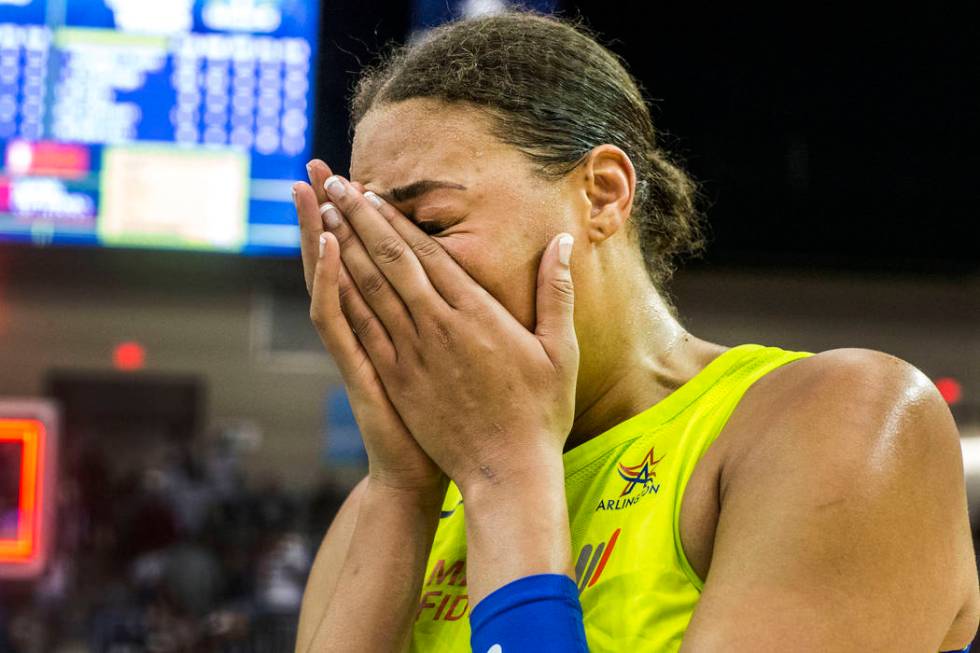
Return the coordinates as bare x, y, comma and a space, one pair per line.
641, 474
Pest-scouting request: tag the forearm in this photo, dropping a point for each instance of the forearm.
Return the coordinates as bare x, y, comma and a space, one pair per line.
376, 596
516, 526
519, 560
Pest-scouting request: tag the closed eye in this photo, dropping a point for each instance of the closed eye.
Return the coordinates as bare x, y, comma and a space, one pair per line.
430, 228
433, 227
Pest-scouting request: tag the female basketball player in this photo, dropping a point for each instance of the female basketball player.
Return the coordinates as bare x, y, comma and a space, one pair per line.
505, 170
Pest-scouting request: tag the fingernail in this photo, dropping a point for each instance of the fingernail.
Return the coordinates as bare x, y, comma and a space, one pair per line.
293, 189
323, 241
309, 171
335, 187
330, 215
565, 242
374, 199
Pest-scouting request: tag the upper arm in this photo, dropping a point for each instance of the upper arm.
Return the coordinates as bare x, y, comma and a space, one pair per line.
326, 568
843, 525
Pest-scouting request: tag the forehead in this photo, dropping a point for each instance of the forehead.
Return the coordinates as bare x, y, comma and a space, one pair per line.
396, 144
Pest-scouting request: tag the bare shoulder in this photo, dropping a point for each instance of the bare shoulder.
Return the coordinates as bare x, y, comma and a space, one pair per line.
844, 475
844, 370
887, 396
856, 412
867, 368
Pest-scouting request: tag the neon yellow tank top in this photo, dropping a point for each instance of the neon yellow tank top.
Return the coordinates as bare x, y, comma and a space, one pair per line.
624, 489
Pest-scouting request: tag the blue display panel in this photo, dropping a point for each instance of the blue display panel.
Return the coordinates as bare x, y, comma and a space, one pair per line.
168, 124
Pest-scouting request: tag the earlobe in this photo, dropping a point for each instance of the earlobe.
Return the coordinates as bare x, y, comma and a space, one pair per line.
610, 183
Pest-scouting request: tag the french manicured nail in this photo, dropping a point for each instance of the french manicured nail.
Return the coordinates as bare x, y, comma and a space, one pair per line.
565, 242
330, 215
309, 171
374, 199
335, 187
323, 241
293, 189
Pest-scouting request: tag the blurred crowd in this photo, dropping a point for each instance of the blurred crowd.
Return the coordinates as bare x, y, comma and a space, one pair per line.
181, 555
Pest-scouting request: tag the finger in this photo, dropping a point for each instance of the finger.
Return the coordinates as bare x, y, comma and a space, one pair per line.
310, 228
363, 323
318, 172
386, 248
447, 276
310, 225
556, 303
374, 287
327, 312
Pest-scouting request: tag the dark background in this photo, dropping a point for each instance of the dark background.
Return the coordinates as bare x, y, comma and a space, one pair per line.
822, 137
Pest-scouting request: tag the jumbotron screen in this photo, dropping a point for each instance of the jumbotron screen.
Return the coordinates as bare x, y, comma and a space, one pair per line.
173, 124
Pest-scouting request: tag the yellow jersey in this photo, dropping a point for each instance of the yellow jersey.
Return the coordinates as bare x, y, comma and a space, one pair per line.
624, 490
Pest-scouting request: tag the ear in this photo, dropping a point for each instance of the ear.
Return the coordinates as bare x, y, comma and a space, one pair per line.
610, 182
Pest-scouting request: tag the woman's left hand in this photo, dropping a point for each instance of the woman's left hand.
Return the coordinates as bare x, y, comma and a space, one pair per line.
488, 400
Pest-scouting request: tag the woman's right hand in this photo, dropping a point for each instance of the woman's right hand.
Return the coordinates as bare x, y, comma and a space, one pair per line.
337, 309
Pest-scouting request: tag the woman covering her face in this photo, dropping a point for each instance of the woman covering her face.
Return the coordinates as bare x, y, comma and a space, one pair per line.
492, 283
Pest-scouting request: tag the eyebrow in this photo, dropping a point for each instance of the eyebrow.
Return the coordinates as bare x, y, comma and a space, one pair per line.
417, 188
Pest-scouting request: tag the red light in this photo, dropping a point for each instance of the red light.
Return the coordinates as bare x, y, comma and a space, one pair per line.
950, 389
129, 356
30, 435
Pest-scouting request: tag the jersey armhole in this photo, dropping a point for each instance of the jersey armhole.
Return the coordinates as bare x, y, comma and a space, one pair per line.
685, 564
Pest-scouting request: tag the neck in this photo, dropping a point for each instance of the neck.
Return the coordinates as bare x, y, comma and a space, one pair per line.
638, 359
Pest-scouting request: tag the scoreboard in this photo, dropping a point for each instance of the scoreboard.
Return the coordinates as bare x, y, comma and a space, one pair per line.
169, 124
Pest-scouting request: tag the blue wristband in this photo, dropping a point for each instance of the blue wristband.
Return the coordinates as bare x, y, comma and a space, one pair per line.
539, 614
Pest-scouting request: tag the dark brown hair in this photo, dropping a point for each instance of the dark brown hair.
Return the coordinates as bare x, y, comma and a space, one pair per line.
554, 93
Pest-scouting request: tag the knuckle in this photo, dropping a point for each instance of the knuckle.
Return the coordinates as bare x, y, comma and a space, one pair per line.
355, 206
487, 346
400, 375
324, 322
344, 234
345, 293
563, 290
477, 314
426, 247
373, 283
317, 318
364, 325
444, 336
389, 250
441, 333
469, 305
